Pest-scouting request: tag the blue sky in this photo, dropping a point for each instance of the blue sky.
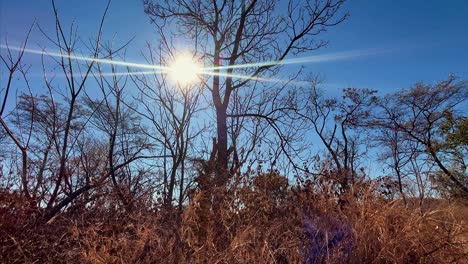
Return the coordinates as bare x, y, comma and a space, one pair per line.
418, 40
425, 40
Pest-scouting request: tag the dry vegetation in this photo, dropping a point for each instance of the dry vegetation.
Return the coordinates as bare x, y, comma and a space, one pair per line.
267, 223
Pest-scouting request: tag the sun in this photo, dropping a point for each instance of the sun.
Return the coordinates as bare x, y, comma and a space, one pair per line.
184, 70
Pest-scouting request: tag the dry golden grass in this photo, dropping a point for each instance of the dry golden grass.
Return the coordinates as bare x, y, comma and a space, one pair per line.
266, 223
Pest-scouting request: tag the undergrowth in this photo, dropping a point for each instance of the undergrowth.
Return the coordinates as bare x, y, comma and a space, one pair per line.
266, 222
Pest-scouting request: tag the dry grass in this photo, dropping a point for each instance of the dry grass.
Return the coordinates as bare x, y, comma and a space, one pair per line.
266, 223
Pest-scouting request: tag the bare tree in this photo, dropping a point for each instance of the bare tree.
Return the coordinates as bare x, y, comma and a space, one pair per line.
339, 125
14, 66
170, 111
232, 33
64, 122
122, 128
396, 154
76, 78
243, 33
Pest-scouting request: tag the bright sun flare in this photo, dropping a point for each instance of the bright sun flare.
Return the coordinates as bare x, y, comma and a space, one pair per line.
184, 70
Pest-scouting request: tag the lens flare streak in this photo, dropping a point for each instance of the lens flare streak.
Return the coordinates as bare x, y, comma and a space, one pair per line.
304, 60
88, 59
210, 71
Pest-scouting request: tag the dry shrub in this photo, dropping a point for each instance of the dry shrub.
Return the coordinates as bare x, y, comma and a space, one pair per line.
94, 238
266, 222
392, 233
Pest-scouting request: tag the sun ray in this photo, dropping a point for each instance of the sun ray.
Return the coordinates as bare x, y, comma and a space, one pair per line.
239, 76
137, 73
89, 59
209, 71
303, 60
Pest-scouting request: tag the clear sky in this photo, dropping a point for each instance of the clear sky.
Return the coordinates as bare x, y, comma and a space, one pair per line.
417, 40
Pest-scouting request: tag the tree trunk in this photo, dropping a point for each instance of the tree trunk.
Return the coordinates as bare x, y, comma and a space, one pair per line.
222, 160
24, 173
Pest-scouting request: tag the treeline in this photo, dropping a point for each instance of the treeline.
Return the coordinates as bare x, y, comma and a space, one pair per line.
60, 153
